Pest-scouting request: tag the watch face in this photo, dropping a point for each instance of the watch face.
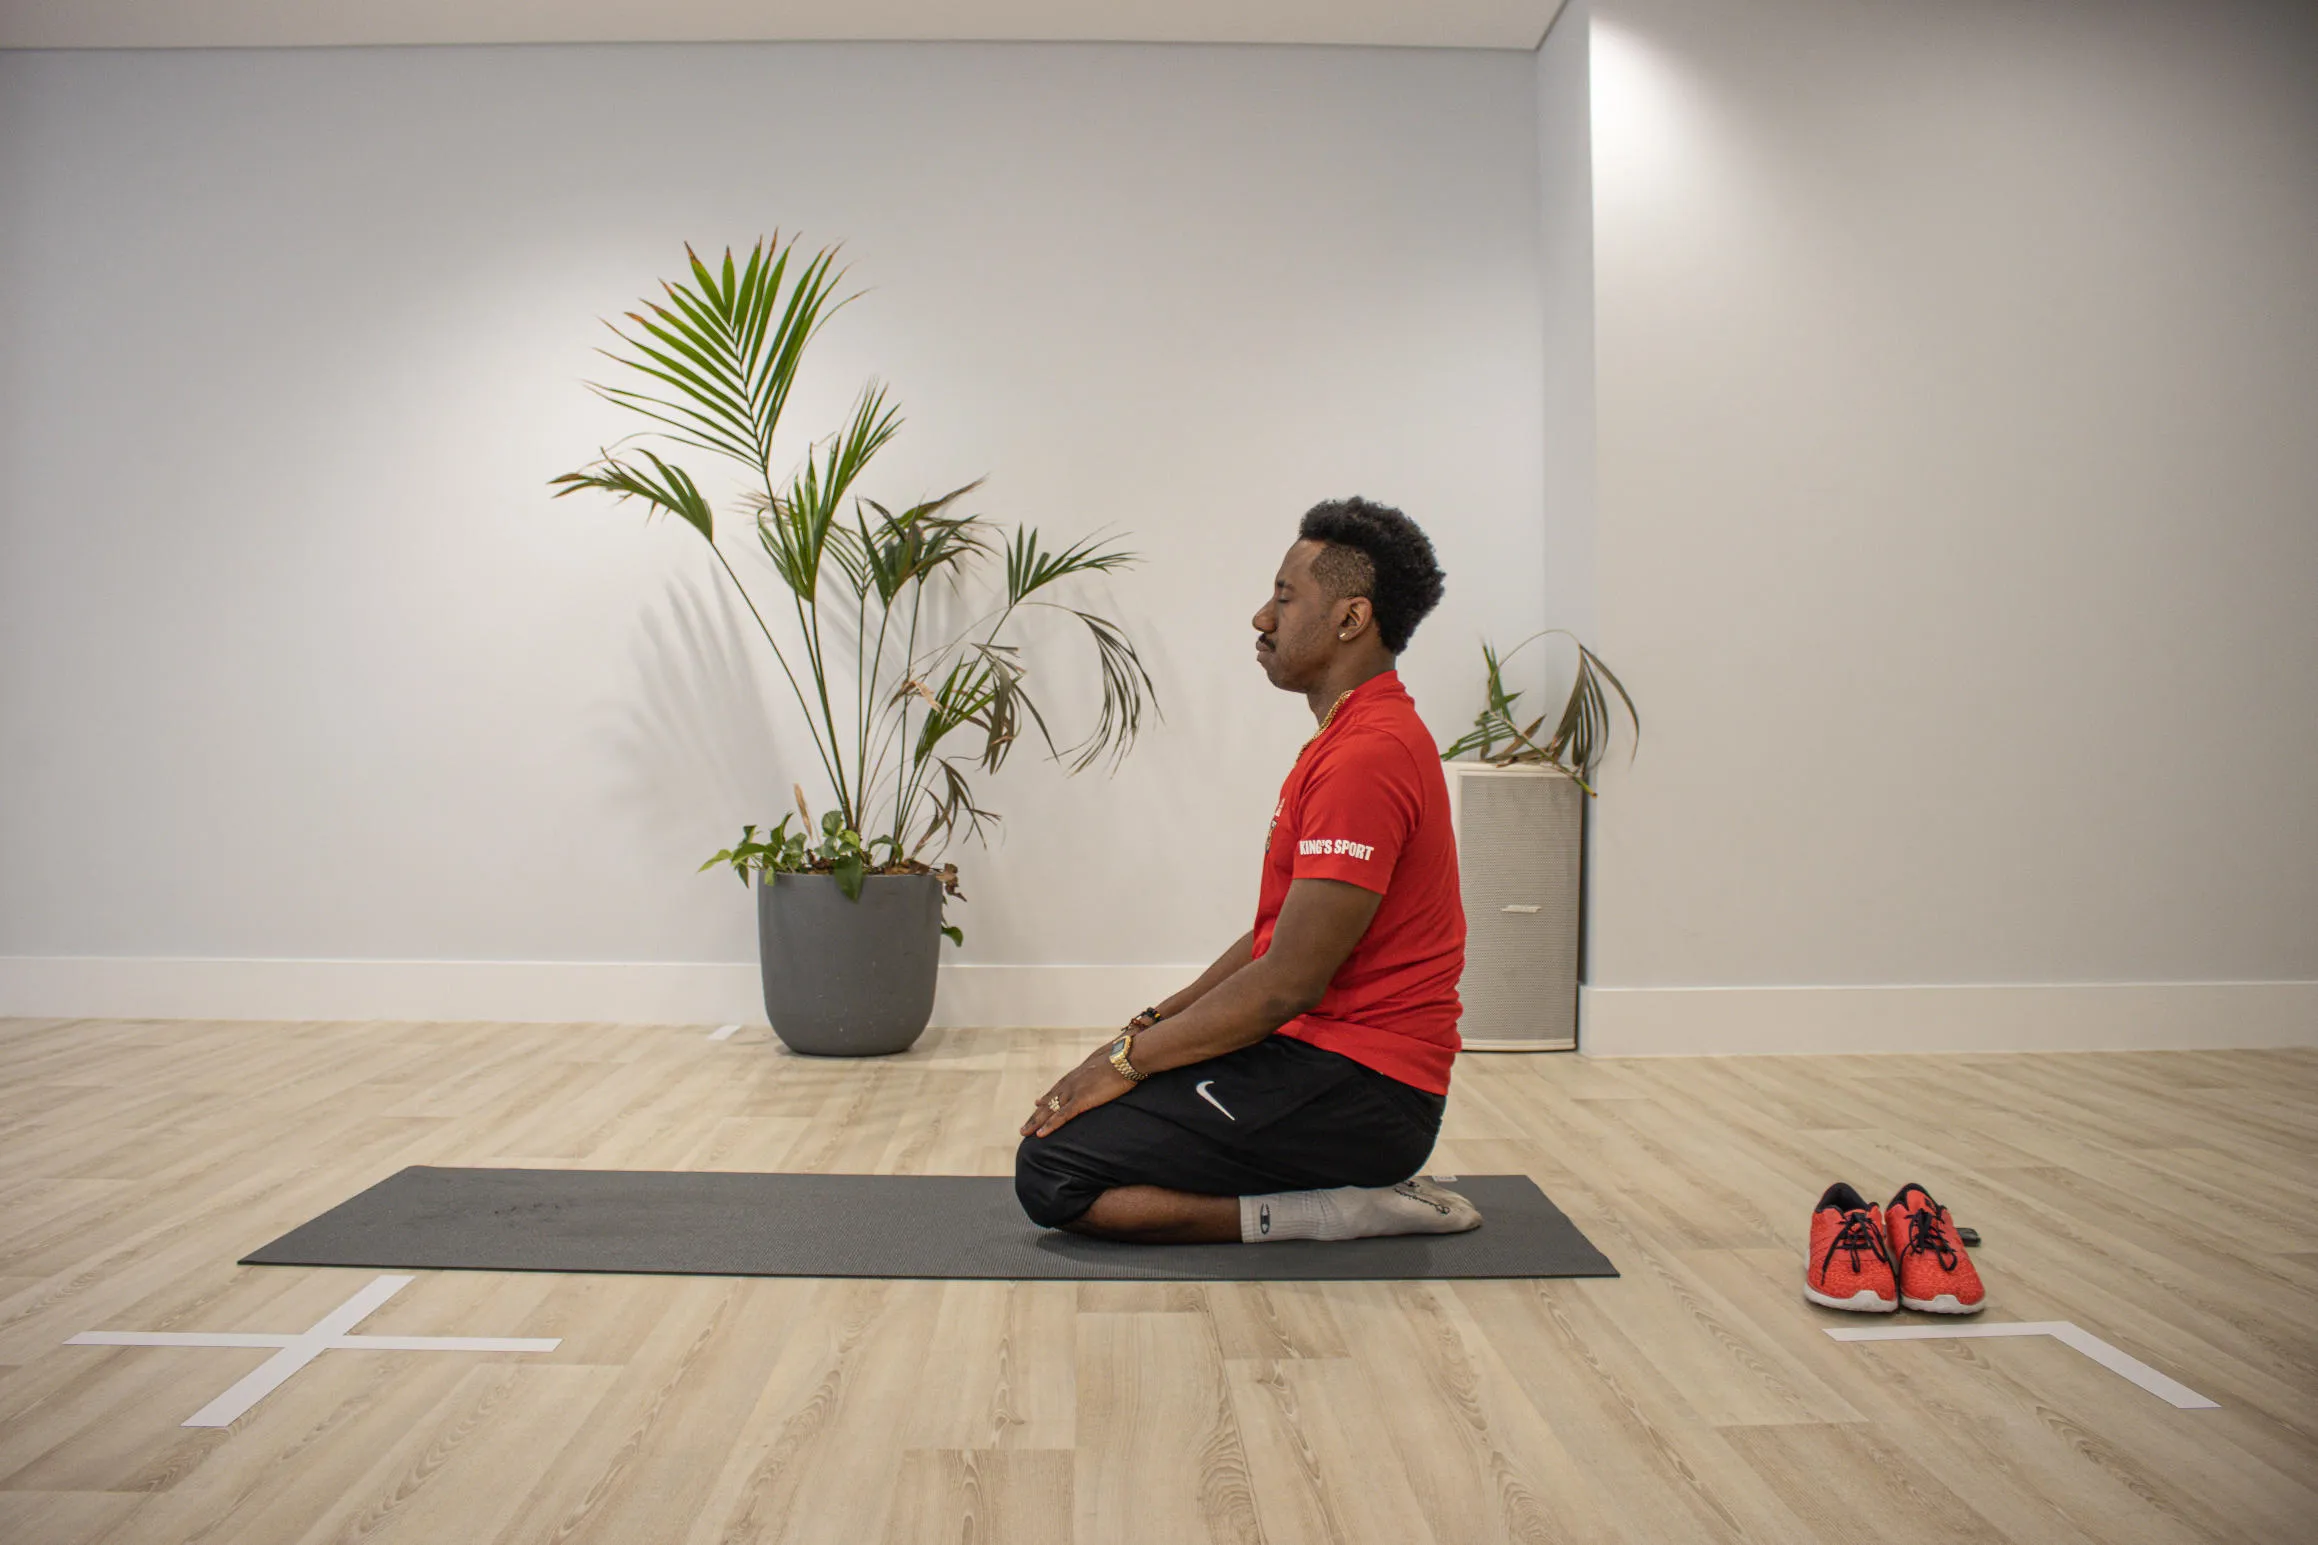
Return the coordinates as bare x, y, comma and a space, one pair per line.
1119, 1047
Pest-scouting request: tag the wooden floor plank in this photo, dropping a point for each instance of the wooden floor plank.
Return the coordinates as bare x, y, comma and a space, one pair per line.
1321, 1461
1009, 1496
1159, 1447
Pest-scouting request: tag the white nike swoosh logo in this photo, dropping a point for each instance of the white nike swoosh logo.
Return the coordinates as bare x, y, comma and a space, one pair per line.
1201, 1089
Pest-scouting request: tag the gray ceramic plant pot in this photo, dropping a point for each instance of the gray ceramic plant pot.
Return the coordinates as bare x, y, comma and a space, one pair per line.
849, 978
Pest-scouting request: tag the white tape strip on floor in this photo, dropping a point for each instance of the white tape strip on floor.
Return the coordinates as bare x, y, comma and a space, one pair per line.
275, 1371
723, 1032
328, 1334
2171, 1391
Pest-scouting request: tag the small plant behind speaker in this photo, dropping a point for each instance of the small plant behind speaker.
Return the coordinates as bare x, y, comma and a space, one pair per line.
1519, 813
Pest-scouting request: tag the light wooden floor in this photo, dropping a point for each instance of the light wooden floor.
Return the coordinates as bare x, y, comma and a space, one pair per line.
2165, 1201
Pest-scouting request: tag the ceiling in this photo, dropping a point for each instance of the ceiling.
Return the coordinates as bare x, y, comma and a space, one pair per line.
292, 23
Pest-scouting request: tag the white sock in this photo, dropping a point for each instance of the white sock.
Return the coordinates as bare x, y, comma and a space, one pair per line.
1355, 1212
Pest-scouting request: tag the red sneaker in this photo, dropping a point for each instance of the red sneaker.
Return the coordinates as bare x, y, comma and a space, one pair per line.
1935, 1273
1850, 1265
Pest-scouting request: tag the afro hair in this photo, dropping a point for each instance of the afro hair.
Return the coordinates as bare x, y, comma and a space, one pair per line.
1374, 550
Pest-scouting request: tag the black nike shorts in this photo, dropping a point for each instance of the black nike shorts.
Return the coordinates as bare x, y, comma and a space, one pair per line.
1280, 1115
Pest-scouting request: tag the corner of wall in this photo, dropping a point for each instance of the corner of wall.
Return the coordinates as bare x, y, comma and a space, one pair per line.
1566, 291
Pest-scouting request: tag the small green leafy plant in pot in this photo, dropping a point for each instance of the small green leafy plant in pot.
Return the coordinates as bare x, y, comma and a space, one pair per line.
1581, 735
906, 702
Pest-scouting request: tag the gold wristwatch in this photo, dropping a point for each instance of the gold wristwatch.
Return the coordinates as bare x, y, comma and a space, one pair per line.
1119, 1050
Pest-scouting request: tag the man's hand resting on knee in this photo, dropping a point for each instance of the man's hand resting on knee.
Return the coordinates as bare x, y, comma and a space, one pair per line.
1238, 1002
1093, 1082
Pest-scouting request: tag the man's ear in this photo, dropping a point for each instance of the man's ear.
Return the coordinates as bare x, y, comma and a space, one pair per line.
1357, 612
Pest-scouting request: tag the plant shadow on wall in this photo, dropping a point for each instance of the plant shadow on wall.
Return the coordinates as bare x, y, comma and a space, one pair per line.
696, 731
900, 633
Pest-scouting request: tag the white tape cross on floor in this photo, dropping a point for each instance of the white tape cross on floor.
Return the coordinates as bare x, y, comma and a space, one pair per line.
2169, 1390
327, 1334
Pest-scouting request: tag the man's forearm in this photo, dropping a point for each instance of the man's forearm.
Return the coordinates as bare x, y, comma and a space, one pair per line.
1236, 956
1247, 1005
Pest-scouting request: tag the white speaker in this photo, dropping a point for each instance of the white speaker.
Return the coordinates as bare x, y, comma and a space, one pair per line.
1521, 863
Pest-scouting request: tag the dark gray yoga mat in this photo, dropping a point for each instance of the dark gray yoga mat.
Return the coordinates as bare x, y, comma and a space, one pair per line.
717, 1223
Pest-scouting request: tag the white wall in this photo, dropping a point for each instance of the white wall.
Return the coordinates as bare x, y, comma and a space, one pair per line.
1958, 523
1944, 371
298, 663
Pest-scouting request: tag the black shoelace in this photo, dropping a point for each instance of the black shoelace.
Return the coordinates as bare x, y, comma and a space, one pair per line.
1925, 1234
1408, 1189
1857, 1234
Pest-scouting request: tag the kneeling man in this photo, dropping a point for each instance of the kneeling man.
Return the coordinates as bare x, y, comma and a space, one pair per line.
1295, 1089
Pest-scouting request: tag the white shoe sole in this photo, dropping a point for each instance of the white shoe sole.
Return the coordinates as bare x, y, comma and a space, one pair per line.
1946, 1303
1865, 1301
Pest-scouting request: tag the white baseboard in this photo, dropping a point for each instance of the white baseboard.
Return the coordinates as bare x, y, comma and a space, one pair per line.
2053, 1016
532, 991
1057, 997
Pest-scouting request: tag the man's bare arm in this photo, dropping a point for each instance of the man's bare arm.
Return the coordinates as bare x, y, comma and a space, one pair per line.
1236, 955
1319, 924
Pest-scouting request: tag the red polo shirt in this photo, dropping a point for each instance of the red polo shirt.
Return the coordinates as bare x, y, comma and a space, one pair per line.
1367, 803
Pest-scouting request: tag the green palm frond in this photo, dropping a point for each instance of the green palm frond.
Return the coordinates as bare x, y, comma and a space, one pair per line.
728, 347
667, 488
832, 468
854, 559
964, 697
1582, 738
799, 527
1127, 691
900, 549
951, 811
984, 689
1012, 706
1579, 741
1030, 568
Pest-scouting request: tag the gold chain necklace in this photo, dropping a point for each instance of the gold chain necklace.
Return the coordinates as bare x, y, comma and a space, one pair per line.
1326, 719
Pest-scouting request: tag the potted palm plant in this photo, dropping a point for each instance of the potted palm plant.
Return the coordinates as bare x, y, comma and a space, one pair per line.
908, 695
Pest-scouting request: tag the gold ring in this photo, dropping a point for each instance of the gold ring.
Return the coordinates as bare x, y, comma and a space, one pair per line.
1054, 1103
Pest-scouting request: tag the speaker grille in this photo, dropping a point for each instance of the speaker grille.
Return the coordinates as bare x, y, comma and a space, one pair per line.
1519, 845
